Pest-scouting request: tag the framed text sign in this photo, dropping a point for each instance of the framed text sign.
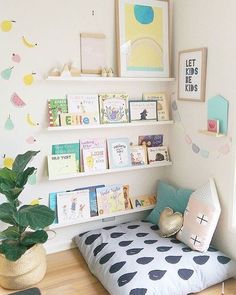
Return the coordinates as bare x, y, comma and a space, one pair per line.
192, 74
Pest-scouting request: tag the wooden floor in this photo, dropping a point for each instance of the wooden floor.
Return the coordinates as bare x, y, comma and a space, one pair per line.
68, 274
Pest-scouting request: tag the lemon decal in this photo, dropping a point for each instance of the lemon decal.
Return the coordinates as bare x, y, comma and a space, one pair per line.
28, 44
6, 25
29, 79
8, 162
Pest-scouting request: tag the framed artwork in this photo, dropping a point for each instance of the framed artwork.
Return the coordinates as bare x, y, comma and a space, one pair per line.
143, 38
113, 108
93, 53
162, 105
192, 74
142, 110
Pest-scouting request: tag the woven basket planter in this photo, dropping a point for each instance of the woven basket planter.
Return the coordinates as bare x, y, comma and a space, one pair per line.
26, 271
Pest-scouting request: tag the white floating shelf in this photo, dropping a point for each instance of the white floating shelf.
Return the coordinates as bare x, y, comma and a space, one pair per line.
119, 213
114, 125
109, 171
109, 79
206, 132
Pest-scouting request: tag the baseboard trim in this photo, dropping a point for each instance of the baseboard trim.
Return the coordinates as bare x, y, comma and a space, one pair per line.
54, 248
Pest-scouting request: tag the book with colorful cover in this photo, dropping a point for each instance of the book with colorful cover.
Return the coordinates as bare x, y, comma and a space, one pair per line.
62, 164
67, 148
56, 107
138, 154
119, 152
127, 201
213, 125
110, 199
73, 206
94, 159
158, 154
162, 107
143, 201
86, 107
150, 140
88, 144
113, 108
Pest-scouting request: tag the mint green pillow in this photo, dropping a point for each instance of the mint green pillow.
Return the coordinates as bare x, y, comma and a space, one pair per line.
169, 196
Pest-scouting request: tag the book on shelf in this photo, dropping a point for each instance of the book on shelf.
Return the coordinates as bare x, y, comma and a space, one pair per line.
68, 148
110, 199
113, 108
118, 152
138, 155
73, 206
86, 144
55, 108
127, 201
95, 159
143, 201
158, 154
62, 164
162, 106
53, 205
86, 107
213, 125
150, 140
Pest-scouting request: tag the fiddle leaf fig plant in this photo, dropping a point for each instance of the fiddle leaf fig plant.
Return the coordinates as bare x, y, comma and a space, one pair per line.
26, 222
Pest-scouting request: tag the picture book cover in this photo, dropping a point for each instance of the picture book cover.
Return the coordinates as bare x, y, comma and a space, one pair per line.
95, 159
73, 206
138, 155
53, 205
140, 110
143, 201
67, 148
113, 108
150, 140
57, 107
127, 201
86, 107
213, 125
88, 144
118, 152
162, 106
158, 154
61, 165
110, 199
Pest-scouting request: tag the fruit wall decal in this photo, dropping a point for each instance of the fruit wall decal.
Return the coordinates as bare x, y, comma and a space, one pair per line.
30, 140
31, 121
32, 180
15, 57
9, 124
7, 162
222, 150
28, 79
27, 43
17, 101
6, 74
6, 25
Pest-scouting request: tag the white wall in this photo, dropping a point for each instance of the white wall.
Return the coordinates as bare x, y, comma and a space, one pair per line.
55, 25
208, 24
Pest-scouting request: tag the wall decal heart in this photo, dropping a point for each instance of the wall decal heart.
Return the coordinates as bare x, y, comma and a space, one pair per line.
170, 223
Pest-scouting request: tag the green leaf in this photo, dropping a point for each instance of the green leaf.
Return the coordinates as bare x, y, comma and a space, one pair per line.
8, 214
36, 217
23, 176
12, 250
22, 160
11, 233
31, 238
7, 174
10, 193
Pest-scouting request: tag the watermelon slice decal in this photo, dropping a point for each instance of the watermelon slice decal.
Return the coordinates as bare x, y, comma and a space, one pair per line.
17, 101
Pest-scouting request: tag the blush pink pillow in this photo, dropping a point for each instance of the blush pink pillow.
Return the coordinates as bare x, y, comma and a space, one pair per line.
201, 217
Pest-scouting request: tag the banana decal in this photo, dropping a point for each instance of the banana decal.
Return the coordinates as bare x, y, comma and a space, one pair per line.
27, 43
30, 121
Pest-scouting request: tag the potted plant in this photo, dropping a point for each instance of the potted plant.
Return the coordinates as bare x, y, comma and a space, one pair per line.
22, 256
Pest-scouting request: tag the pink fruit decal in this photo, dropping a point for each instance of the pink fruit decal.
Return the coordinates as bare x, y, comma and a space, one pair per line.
188, 139
17, 101
15, 57
30, 140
